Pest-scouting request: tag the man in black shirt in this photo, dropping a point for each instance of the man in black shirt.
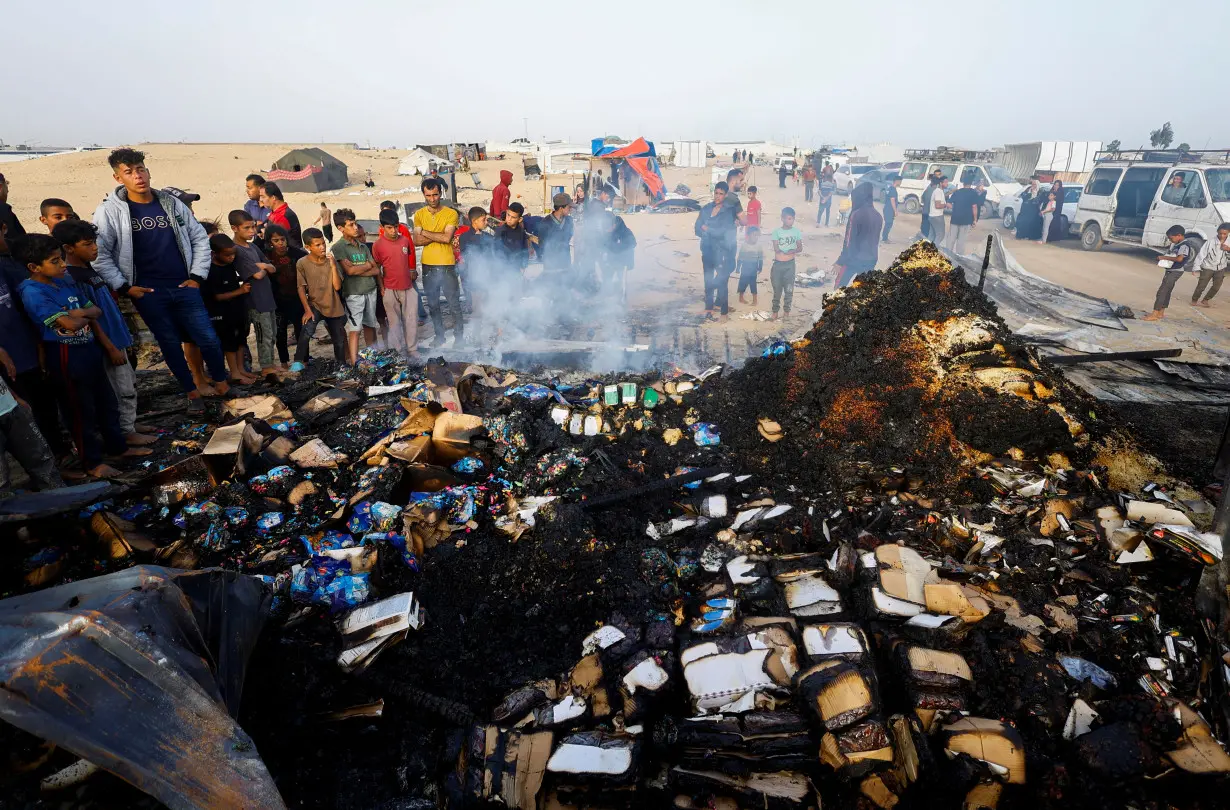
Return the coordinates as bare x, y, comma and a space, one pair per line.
716, 225
965, 204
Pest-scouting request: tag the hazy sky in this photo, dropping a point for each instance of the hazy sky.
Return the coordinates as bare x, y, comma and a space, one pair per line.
396, 73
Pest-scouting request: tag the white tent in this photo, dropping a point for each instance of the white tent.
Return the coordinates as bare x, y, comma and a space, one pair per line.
690, 154
420, 161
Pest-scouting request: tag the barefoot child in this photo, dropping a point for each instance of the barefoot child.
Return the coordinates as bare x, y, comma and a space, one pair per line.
226, 300
74, 359
787, 243
1211, 261
1173, 263
319, 282
79, 240
255, 269
751, 262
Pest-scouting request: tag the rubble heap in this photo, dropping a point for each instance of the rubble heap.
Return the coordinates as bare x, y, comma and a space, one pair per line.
900, 563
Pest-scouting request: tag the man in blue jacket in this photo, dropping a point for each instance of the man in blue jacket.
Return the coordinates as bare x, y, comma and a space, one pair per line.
152, 249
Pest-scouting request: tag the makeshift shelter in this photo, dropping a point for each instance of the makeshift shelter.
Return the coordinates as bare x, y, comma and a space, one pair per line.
420, 161
308, 169
633, 169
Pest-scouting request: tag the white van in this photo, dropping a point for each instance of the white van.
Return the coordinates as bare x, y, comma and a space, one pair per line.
914, 174
1132, 201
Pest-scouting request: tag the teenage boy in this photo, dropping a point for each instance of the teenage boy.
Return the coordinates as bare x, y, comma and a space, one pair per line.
618, 255
478, 249
74, 361
1173, 263
359, 283
891, 198
280, 213
52, 211
79, 240
152, 249
434, 226
226, 298
254, 183
395, 255
1211, 261
319, 283
787, 243
255, 269
716, 225
751, 262
827, 189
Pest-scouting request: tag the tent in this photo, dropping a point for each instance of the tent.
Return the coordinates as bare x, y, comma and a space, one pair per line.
420, 161
633, 168
307, 170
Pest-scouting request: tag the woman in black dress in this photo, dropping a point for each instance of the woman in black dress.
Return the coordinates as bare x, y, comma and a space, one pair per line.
1057, 222
1029, 218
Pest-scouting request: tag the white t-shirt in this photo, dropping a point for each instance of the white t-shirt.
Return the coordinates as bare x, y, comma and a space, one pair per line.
937, 202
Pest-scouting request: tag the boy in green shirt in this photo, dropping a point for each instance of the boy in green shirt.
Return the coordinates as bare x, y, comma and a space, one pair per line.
787, 243
359, 283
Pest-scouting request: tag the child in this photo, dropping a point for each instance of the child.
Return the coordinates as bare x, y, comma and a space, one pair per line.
79, 240
255, 269
618, 256
20, 436
752, 216
1211, 261
787, 243
514, 240
1048, 214
359, 274
394, 252
226, 301
1172, 263
751, 262
319, 282
284, 256
477, 249
74, 361
53, 211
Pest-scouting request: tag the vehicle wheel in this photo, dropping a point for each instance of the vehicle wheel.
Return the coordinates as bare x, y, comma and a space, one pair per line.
911, 205
1009, 219
1091, 237
1065, 227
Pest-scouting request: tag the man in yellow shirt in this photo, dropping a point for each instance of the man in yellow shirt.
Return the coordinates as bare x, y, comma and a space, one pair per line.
434, 225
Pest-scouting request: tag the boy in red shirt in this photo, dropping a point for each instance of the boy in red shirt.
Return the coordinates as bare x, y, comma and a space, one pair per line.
753, 208
395, 255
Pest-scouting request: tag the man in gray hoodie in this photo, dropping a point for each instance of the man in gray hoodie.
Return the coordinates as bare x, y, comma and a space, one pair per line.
152, 249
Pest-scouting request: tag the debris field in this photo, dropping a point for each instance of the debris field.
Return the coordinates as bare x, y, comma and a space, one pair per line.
899, 563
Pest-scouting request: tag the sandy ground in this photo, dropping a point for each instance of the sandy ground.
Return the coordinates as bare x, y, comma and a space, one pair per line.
667, 275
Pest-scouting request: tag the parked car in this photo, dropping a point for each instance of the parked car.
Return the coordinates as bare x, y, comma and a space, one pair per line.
848, 174
879, 180
915, 174
1010, 206
1135, 201
782, 160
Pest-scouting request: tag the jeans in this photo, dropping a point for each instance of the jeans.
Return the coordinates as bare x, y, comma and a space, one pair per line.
124, 383
937, 229
35, 389
173, 313
20, 436
437, 279
1162, 300
86, 399
337, 333
808, 187
781, 275
747, 281
716, 262
823, 211
402, 309
956, 238
1216, 276
889, 217
263, 323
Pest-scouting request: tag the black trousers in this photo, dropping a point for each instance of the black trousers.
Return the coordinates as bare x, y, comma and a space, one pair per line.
86, 400
40, 393
337, 333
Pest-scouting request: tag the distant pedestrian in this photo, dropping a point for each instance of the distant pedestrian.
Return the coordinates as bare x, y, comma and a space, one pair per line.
1048, 215
809, 182
752, 216
827, 189
890, 205
964, 205
501, 195
324, 220
782, 172
1056, 230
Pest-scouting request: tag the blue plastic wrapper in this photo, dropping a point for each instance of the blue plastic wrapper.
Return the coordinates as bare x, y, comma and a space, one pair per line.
320, 542
136, 510
1083, 670
468, 465
776, 349
534, 392
95, 507
269, 521
329, 582
685, 471
197, 513
215, 538
705, 434
458, 502
236, 516
44, 556
403, 376
373, 517
407, 556
283, 426
278, 476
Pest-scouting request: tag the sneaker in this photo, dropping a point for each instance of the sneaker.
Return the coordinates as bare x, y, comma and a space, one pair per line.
297, 367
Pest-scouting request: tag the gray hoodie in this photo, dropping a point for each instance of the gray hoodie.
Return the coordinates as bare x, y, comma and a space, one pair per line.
114, 223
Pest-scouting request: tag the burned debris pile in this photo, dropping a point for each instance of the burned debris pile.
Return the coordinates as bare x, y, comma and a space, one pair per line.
899, 563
